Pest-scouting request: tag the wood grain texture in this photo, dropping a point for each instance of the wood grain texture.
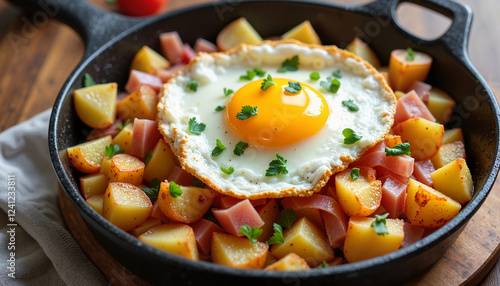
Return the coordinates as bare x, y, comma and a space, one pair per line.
37, 59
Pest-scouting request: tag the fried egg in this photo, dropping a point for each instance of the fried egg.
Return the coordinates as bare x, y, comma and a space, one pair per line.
302, 126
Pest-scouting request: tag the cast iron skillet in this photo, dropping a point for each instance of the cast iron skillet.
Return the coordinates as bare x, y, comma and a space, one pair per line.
112, 40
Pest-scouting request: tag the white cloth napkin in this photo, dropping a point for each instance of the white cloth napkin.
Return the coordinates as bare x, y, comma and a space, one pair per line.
45, 252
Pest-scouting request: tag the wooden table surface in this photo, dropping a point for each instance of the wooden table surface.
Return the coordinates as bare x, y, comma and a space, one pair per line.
35, 61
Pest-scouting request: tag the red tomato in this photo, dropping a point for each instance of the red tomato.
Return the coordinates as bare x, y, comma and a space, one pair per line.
140, 7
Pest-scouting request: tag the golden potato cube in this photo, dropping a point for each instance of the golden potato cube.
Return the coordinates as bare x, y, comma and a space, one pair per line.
236, 33
96, 105
291, 262
124, 138
305, 239
360, 197
93, 184
126, 169
362, 242
148, 224
125, 205
404, 72
440, 104
427, 207
87, 157
96, 202
161, 163
149, 61
425, 137
189, 207
176, 238
139, 104
362, 50
303, 32
447, 153
238, 252
269, 213
453, 135
454, 180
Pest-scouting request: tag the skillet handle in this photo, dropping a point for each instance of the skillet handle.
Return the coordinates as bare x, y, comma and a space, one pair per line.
455, 39
94, 25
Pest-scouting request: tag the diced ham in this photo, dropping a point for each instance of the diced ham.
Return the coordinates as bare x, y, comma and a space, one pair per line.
422, 172
393, 197
216, 203
137, 78
145, 136
422, 89
383, 173
172, 47
156, 213
336, 228
202, 45
180, 177
228, 201
188, 53
233, 218
412, 234
411, 106
312, 214
165, 75
389, 141
203, 230
399, 165
112, 130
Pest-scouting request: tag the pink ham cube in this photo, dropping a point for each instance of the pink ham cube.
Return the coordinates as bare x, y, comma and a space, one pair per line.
233, 218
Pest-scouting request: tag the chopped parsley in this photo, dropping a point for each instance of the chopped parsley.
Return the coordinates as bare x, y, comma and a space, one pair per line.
410, 56
220, 108
286, 218
192, 85
197, 183
251, 233
350, 105
314, 76
259, 72
113, 149
267, 82
174, 189
350, 137
291, 64
277, 166
400, 149
246, 112
127, 122
195, 127
337, 74
153, 191
218, 149
323, 265
240, 147
331, 84
293, 87
88, 80
277, 236
228, 92
228, 171
249, 76
147, 157
355, 174
379, 224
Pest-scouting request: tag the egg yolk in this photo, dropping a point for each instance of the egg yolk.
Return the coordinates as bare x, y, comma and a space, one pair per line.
283, 118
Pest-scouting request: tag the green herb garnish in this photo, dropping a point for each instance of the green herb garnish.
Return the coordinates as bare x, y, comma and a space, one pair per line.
277, 166
174, 189
314, 76
195, 127
350, 105
127, 122
350, 137
379, 224
246, 112
192, 85
291, 64
259, 72
220, 108
147, 157
249, 76
240, 147
331, 84
251, 233
293, 87
277, 236
228, 92
267, 82
400, 149
286, 218
88, 80
410, 56
228, 171
323, 265
153, 191
218, 149
113, 149
355, 174
337, 74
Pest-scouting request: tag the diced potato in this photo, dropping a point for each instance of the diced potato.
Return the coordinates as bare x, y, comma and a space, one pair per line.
360, 197
96, 105
161, 164
306, 240
425, 137
236, 33
453, 135
139, 104
362, 242
440, 104
125, 205
362, 50
399, 94
149, 61
148, 224
87, 157
238, 252
426, 207
303, 32
392, 140
448, 153
335, 262
403, 72
291, 262
126, 169
269, 213
105, 167
96, 202
92, 185
124, 138
188, 207
176, 238
454, 180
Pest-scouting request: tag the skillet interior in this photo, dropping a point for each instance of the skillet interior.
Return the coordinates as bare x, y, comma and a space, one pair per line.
476, 113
